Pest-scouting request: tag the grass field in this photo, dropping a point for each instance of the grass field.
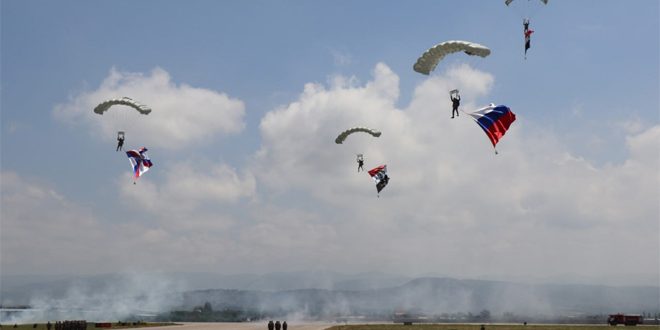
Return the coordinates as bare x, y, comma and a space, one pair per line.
478, 327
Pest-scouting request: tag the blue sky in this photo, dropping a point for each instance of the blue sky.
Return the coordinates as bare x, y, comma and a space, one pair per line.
580, 163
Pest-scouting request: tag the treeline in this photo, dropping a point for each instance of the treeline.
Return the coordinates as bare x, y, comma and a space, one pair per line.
206, 313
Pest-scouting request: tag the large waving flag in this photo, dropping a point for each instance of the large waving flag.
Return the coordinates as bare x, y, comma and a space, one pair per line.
140, 162
379, 174
494, 120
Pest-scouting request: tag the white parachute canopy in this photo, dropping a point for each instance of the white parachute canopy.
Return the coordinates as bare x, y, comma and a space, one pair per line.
340, 139
507, 2
105, 105
429, 60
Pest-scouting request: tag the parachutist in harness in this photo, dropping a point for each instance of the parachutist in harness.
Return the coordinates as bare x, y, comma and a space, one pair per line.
360, 161
120, 140
455, 102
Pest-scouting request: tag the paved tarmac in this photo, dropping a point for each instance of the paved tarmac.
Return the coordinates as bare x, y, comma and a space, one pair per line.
241, 326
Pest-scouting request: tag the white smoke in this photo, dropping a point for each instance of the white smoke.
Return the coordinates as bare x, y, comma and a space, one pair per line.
126, 295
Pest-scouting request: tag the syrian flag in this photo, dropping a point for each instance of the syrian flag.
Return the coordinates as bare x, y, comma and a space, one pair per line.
494, 120
379, 174
140, 162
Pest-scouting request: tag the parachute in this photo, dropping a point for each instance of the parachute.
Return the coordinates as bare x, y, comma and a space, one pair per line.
507, 2
429, 60
140, 162
105, 105
494, 120
340, 139
121, 120
379, 174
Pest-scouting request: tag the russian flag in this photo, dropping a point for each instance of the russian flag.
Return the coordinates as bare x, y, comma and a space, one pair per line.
494, 120
139, 160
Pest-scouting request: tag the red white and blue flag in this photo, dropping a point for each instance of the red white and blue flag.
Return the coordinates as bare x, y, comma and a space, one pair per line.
494, 120
140, 162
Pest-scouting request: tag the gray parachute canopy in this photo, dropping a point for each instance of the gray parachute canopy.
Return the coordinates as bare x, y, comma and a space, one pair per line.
340, 139
105, 105
428, 61
507, 2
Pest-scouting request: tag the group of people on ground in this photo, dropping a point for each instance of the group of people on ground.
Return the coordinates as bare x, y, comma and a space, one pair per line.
277, 325
68, 325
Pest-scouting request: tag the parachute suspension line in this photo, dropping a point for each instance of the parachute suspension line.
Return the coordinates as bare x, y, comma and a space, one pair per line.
530, 9
122, 118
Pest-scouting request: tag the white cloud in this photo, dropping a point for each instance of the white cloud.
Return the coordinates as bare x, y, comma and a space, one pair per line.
187, 186
633, 125
182, 114
453, 206
341, 58
44, 232
35, 219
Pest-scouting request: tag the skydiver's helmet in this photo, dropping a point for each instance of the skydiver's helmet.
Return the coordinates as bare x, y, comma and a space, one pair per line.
454, 93
120, 135
359, 158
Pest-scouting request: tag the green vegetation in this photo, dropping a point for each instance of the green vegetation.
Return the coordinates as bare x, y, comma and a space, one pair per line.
129, 325
478, 327
207, 314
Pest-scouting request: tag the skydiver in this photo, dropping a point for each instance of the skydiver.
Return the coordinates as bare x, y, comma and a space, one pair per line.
277, 325
455, 102
271, 325
120, 142
284, 325
360, 161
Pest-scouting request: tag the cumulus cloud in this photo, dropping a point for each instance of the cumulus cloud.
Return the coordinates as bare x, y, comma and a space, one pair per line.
187, 186
181, 114
452, 207
534, 208
341, 58
43, 226
35, 217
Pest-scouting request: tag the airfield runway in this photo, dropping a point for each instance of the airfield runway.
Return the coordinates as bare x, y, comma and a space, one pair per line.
240, 326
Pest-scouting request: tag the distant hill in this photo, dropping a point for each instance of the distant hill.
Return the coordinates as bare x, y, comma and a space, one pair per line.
318, 294
442, 295
20, 290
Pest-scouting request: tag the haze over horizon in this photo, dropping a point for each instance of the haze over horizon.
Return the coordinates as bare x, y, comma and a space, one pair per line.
248, 98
